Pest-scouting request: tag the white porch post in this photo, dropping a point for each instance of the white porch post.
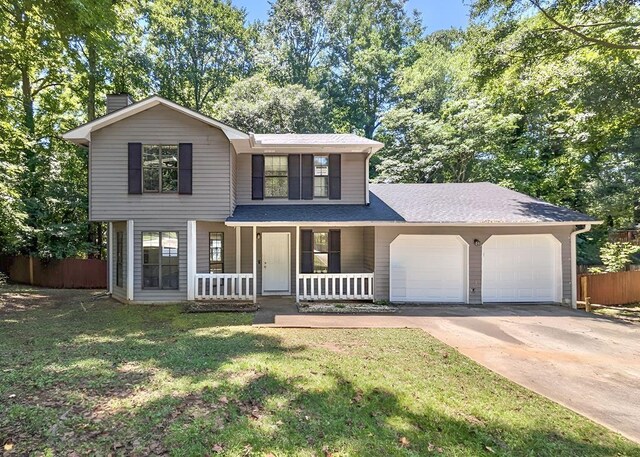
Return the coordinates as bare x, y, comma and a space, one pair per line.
110, 257
238, 249
191, 260
297, 263
130, 259
255, 269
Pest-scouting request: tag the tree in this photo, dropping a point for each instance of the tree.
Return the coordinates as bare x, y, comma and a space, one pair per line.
256, 105
295, 41
368, 40
198, 48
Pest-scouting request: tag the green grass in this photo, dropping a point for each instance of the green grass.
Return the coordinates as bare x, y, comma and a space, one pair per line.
140, 380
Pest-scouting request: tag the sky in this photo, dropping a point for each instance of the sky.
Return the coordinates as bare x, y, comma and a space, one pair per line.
436, 14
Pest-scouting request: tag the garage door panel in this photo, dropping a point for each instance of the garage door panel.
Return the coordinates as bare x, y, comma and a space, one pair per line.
521, 268
428, 268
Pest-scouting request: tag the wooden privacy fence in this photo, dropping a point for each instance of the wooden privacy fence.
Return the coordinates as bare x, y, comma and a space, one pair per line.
610, 288
58, 274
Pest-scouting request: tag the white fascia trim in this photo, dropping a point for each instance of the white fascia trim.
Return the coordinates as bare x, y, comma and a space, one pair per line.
319, 147
82, 134
402, 224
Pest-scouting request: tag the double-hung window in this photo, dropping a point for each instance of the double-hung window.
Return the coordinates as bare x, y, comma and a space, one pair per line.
216, 252
160, 167
320, 252
276, 184
119, 258
160, 260
321, 176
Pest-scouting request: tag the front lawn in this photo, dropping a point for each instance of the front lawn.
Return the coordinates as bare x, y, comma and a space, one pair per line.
99, 378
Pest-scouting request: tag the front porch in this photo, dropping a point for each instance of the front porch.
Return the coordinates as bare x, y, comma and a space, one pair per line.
242, 263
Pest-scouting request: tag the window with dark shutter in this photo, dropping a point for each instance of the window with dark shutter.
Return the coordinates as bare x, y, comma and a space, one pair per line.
335, 177
135, 168
306, 248
185, 161
294, 176
307, 176
257, 177
334, 251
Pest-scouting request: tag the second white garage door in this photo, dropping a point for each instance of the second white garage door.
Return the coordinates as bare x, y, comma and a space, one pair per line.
428, 269
521, 268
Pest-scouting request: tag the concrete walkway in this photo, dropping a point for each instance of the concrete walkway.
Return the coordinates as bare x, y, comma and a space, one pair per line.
590, 364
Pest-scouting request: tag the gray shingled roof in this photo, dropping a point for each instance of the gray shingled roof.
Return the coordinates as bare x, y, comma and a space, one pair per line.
465, 203
327, 139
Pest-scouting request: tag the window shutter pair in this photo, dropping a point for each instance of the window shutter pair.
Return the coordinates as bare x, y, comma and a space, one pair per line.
185, 165
306, 248
300, 173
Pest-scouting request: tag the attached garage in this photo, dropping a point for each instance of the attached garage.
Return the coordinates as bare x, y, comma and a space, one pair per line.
428, 269
521, 269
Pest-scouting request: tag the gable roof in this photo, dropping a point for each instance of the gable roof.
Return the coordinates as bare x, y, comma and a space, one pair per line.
435, 204
82, 134
341, 140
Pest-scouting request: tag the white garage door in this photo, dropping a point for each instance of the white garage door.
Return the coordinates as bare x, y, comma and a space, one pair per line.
521, 268
428, 268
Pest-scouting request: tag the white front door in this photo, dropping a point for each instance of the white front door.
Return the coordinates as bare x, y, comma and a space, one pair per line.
276, 263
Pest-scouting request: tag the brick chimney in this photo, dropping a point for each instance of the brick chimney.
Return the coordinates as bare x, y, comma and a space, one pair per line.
118, 101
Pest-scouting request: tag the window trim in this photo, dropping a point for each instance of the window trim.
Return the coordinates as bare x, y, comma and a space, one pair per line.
266, 178
220, 262
160, 167
159, 264
315, 175
119, 258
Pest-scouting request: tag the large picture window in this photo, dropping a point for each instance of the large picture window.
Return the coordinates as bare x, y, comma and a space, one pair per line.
320, 176
275, 177
216, 252
119, 258
320, 252
160, 168
160, 260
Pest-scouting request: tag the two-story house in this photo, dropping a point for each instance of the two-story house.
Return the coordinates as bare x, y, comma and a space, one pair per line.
199, 210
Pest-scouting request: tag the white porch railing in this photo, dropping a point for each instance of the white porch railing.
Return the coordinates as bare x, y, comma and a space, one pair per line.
336, 286
224, 286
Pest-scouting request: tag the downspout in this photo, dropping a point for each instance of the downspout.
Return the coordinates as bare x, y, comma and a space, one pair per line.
574, 266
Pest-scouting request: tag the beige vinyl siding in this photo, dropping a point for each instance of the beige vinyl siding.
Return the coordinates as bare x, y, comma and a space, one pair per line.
229, 247
234, 178
160, 295
385, 235
119, 293
108, 177
353, 172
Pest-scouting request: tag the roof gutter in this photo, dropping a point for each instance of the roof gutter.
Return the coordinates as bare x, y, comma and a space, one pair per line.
403, 223
574, 264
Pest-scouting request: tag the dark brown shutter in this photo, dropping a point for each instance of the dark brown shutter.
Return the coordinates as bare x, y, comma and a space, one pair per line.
335, 177
135, 168
257, 177
334, 251
185, 163
294, 176
306, 248
307, 176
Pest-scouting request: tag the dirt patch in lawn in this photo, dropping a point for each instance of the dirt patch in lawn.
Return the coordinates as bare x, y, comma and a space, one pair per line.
627, 313
18, 297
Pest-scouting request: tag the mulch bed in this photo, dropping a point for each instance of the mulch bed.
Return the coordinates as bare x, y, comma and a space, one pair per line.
220, 307
345, 308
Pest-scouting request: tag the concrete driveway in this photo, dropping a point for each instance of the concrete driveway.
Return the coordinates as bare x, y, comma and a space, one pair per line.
590, 364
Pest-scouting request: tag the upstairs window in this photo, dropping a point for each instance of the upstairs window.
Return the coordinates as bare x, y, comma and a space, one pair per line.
160, 168
321, 176
216, 252
276, 183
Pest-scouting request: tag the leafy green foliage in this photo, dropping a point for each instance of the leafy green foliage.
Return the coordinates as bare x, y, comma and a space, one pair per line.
256, 105
616, 256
